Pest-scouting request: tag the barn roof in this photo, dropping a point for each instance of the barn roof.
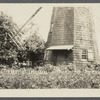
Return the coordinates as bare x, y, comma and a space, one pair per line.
61, 47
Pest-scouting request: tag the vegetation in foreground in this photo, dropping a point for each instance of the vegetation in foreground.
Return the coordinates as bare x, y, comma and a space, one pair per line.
49, 76
14, 75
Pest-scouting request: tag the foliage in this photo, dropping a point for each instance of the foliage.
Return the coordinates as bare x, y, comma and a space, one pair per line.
33, 40
34, 44
6, 22
8, 50
48, 76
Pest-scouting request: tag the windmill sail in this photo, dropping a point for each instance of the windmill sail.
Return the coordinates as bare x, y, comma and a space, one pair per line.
16, 37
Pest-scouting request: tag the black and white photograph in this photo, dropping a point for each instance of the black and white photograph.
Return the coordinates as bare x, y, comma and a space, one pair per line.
49, 46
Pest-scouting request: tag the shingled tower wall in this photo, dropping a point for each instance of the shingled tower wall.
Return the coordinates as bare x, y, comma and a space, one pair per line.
61, 23
71, 26
84, 37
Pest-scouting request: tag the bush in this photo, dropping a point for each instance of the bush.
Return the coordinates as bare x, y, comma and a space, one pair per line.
48, 68
48, 76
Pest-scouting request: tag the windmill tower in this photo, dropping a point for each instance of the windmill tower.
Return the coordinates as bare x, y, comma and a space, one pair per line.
71, 38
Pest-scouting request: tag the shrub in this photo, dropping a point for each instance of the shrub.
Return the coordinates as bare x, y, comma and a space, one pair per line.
48, 76
48, 68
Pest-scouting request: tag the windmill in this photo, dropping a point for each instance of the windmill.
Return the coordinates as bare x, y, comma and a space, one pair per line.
72, 37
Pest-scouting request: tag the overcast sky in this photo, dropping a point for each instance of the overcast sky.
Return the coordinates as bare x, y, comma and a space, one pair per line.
21, 13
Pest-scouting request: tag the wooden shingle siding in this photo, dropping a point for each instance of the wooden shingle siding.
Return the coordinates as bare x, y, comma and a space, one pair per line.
73, 26
62, 35
83, 34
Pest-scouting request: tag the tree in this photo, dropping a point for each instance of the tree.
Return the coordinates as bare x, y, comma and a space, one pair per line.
34, 45
8, 49
10, 43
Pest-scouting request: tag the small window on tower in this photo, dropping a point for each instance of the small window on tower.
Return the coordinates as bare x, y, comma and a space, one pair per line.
84, 54
51, 26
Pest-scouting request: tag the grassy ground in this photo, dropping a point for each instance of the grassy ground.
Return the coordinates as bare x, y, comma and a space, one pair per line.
48, 77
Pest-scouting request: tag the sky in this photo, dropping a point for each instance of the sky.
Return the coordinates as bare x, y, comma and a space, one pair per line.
22, 12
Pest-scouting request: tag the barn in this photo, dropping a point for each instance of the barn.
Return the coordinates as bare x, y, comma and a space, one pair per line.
71, 38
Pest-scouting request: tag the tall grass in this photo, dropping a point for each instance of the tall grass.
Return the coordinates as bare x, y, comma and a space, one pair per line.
49, 76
